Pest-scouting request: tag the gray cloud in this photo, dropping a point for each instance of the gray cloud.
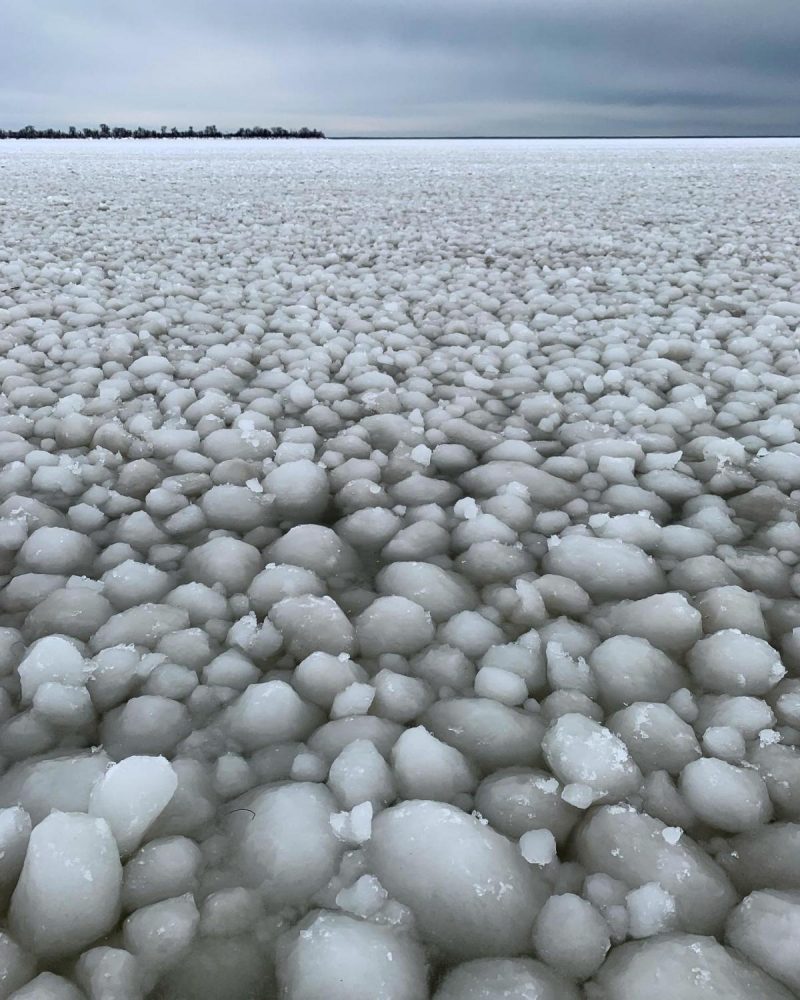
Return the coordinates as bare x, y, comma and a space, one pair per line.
407, 66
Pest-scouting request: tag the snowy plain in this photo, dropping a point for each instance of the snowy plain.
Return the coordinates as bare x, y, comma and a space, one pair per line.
399, 588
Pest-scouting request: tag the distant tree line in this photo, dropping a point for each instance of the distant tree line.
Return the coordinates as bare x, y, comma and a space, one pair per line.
209, 132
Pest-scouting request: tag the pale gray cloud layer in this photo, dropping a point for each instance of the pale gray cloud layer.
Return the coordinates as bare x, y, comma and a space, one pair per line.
376, 67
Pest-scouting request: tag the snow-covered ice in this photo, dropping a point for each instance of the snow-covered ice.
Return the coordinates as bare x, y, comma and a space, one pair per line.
399, 587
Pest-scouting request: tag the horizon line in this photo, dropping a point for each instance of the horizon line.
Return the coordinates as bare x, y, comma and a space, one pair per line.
643, 135
438, 137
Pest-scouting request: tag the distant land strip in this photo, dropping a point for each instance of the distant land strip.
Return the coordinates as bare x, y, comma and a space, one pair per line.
164, 132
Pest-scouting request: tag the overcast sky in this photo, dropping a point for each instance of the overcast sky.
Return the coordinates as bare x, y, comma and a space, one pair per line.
399, 67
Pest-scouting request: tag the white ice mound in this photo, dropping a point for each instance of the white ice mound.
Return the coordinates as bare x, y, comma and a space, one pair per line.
49, 660
581, 751
681, 967
764, 927
636, 849
287, 850
606, 568
510, 978
438, 861
131, 795
339, 957
68, 893
733, 662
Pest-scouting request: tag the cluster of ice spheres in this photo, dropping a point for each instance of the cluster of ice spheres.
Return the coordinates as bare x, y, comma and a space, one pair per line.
400, 593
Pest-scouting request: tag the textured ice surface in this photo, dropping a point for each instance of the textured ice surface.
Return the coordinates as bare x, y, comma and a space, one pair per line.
68, 892
399, 589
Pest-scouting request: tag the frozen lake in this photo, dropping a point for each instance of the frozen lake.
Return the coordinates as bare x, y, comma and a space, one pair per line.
399, 590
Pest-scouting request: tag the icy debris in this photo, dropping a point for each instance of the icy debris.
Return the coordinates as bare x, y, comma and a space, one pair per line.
538, 847
18, 965
57, 550
362, 899
651, 910
60, 781
500, 685
440, 592
578, 795
724, 742
355, 699
229, 912
354, 827
148, 725
311, 624
227, 561
466, 508
488, 734
469, 556
300, 489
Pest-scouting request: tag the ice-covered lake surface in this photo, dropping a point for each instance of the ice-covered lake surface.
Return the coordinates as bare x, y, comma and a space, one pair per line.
399, 547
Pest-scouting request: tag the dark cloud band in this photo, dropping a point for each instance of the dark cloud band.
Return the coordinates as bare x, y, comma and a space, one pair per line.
438, 66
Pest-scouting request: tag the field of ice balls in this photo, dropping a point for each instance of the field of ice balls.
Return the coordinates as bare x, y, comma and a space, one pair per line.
399, 549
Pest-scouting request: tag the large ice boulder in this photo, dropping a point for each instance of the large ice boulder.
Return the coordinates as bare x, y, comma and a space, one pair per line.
300, 489
733, 662
393, 625
57, 550
510, 978
68, 893
667, 621
310, 624
270, 713
283, 843
489, 734
636, 849
581, 751
607, 568
681, 967
226, 561
767, 857
440, 592
440, 861
765, 928
131, 795
339, 957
